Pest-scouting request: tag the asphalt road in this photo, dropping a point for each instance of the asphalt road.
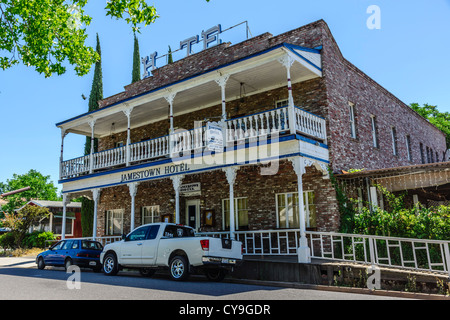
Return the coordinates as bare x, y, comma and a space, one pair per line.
49, 284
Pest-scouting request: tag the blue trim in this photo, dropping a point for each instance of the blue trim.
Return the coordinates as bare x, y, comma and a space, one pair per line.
201, 170
285, 45
292, 48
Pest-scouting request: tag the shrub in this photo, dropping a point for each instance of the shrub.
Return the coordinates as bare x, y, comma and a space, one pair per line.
37, 239
7, 241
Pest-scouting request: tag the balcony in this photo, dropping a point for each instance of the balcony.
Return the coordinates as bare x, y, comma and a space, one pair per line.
238, 130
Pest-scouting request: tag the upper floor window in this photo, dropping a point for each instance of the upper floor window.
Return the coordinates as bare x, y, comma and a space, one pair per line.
281, 103
422, 156
408, 147
351, 111
373, 122
394, 141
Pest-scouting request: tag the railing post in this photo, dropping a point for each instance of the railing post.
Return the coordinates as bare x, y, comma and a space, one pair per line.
447, 257
127, 113
91, 156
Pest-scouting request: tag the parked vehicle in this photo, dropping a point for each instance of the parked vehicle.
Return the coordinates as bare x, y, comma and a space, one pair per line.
162, 245
80, 252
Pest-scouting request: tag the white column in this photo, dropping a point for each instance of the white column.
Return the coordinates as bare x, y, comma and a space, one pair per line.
133, 190
169, 98
230, 173
96, 198
176, 180
91, 156
303, 251
63, 227
128, 115
222, 82
287, 62
61, 158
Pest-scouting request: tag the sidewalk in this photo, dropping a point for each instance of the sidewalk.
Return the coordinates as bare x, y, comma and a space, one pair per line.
21, 262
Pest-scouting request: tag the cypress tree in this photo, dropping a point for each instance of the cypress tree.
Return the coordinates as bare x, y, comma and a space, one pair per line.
87, 206
169, 58
136, 73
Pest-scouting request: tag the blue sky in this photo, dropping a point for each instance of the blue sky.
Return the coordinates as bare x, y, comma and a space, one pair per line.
408, 56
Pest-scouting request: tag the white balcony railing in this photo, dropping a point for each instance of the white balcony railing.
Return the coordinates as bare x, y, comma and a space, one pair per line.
253, 126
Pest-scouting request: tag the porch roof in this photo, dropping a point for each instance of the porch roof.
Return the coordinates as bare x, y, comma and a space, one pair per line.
257, 72
405, 177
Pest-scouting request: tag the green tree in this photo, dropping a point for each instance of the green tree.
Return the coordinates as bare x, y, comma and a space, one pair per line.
96, 95
20, 222
87, 206
440, 119
170, 58
46, 33
40, 188
136, 72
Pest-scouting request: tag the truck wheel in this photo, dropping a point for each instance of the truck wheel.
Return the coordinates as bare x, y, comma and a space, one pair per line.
179, 268
215, 275
110, 265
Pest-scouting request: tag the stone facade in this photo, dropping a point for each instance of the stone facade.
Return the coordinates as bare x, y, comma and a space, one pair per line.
327, 96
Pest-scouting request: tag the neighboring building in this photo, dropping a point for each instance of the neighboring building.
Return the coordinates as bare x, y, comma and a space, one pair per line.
54, 222
427, 184
293, 93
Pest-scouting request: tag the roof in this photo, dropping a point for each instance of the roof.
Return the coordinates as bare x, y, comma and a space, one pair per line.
53, 204
417, 168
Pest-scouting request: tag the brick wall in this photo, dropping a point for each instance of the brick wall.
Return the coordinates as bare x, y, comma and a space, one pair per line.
327, 96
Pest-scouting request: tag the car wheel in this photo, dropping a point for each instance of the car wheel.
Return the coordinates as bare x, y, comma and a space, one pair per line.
179, 268
147, 272
215, 275
41, 263
110, 265
67, 263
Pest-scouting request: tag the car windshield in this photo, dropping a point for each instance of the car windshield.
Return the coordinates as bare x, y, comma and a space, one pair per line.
172, 231
91, 245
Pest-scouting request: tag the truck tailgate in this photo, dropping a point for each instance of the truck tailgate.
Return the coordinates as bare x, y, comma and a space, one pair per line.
224, 248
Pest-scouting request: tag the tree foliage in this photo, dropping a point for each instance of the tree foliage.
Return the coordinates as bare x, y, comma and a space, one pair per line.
46, 33
40, 188
440, 119
136, 72
20, 222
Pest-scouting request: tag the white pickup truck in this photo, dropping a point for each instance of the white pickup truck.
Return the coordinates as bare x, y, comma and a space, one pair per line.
159, 245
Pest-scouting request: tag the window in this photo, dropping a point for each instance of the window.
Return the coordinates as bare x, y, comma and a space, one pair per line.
287, 210
57, 224
172, 231
138, 234
240, 212
373, 121
408, 147
422, 156
428, 154
114, 222
351, 110
394, 141
150, 214
281, 103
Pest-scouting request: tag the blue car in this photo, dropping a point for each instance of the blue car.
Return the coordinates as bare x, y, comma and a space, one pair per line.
80, 252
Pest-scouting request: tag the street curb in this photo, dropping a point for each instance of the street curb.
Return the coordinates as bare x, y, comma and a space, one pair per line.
296, 285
